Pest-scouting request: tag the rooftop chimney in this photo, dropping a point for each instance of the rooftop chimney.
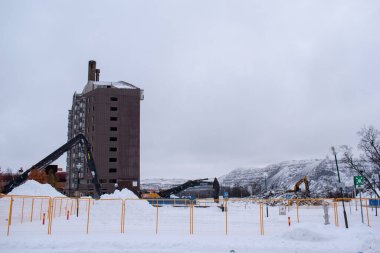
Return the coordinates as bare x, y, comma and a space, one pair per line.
91, 70
97, 72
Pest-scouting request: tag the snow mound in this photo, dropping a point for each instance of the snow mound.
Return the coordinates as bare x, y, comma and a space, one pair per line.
123, 194
33, 188
133, 203
303, 234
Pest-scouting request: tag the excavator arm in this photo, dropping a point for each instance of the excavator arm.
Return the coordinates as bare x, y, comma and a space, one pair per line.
79, 139
298, 184
191, 183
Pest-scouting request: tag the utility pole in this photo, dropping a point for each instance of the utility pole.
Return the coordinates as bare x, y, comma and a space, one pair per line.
374, 185
341, 188
266, 190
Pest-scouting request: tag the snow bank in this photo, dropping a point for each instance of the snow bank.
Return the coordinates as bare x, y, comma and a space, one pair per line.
133, 203
123, 194
306, 235
33, 188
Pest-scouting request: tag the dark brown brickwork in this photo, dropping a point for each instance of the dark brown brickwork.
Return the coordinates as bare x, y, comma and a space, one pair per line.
113, 129
108, 114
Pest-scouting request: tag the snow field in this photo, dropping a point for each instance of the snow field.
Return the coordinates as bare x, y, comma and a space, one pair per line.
174, 228
167, 228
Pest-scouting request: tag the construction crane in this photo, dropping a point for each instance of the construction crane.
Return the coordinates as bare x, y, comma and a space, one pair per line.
191, 183
79, 139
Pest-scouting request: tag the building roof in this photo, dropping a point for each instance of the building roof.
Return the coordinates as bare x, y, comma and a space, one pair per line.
92, 85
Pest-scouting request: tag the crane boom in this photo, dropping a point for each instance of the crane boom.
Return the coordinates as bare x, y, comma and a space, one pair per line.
79, 139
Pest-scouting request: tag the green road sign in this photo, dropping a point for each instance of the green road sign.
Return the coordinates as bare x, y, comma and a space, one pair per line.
358, 180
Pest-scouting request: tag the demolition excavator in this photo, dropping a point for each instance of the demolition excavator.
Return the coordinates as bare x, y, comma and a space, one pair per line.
79, 139
303, 180
165, 194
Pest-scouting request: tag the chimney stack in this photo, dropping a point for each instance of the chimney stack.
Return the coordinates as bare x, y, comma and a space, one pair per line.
91, 70
97, 72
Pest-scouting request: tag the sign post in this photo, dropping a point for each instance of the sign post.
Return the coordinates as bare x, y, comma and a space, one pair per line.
358, 183
341, 188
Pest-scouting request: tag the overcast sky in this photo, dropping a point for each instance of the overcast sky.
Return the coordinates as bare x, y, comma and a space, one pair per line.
228, 84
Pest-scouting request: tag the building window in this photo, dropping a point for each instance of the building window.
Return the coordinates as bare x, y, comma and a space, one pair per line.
113, 118
93, 108
114, 109
114, 129
113, 138
113, 159
102, 181
113, 181
112, 170
113, 98
113, 149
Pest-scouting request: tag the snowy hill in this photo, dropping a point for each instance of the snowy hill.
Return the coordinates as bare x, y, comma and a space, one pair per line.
161, 183
282, 176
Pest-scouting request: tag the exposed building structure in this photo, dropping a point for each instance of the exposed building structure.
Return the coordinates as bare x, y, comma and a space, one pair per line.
108, 114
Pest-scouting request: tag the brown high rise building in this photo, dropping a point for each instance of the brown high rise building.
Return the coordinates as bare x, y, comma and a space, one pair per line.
108, 114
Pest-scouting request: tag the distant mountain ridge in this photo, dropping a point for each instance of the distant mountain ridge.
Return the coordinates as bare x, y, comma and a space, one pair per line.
161, 183
321, 173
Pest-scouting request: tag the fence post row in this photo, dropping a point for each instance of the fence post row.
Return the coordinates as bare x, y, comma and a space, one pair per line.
53, 202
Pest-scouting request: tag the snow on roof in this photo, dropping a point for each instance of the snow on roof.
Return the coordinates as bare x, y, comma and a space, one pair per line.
33, 188
92, 85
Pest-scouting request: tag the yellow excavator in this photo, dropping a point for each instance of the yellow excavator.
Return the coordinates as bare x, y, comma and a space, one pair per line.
303, 180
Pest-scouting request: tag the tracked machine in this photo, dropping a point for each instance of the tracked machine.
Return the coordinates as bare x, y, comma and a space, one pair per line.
163, 196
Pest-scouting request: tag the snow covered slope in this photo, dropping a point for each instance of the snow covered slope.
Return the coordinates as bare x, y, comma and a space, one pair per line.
282, 176
161, 183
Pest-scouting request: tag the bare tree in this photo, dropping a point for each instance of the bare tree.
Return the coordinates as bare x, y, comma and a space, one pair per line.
357, 166
370, 145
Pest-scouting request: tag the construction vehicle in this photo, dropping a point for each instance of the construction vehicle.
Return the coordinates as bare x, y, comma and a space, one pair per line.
44, 163
303, 180
165, 194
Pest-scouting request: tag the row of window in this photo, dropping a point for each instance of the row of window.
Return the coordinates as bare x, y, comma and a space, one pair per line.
112, 181
92, 99
112, 108
112, 129
111, 118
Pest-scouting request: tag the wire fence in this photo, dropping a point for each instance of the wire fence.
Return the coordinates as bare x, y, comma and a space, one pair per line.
18, 214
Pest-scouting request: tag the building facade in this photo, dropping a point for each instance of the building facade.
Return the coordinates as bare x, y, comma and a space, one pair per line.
108, 114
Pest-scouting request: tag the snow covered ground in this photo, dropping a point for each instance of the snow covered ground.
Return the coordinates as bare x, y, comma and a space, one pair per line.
173, 231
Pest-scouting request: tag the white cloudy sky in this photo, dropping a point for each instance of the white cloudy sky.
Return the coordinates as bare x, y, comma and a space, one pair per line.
227, 83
